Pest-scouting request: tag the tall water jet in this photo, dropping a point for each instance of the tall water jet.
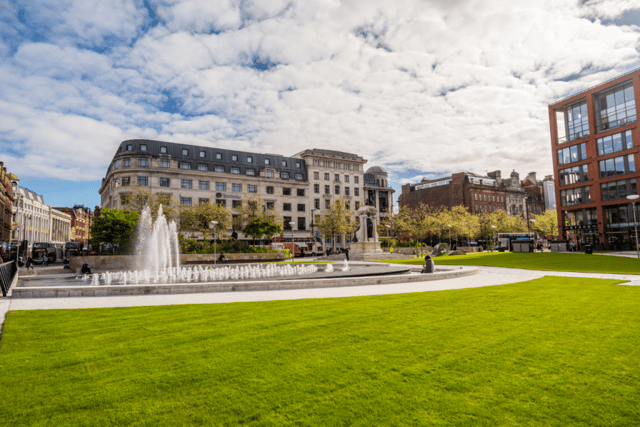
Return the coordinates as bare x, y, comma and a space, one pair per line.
156, 246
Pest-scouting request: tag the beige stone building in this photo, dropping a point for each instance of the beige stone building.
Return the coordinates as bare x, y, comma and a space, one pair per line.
301, 187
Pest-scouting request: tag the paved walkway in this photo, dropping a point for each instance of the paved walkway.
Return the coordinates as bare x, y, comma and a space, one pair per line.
487, 276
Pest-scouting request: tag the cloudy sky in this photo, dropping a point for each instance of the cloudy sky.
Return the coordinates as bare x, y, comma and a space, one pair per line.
420, 87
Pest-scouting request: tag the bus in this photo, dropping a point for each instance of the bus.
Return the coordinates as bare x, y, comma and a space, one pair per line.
303, 245
73, 249
40, 249
503, 241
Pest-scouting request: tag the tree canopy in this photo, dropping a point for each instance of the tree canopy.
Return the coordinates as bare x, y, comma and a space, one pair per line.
197, 218
259, 228
252, 207
141, 197
114, 227
338, 220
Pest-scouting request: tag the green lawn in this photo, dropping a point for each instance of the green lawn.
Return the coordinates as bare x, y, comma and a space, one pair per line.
545, 261
553, 351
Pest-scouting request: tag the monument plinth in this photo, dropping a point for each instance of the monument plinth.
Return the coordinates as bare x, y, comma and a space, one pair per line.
366, 234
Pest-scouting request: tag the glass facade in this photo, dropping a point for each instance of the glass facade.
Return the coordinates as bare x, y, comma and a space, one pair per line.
577, 121
618, 189
575, 196
615, 107
617, 166
572, 154
574, 175
614, 143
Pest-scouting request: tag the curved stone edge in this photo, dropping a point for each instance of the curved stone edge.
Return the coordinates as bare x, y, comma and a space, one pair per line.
184, 288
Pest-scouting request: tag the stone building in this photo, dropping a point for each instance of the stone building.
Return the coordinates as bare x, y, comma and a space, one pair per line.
301, 187
6, 203
81, 220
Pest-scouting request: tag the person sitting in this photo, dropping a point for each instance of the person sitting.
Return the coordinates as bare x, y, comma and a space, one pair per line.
222, 258
30, 263
429, 265
86, 269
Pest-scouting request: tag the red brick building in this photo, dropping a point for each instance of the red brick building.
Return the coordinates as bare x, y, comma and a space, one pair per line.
594, 145
81, 220
477, 193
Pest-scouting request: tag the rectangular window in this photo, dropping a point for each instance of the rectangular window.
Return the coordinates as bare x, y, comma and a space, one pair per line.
577, 122
337, 190
236, 204
249, 159
165, 163
252, 188
336, 177
185, 152
316, 203
301, 207
163, 150
326, 176
237, 188
618, 189
269, 173
202, 167
143, 181
346, 178
271, 205
117, 163
286, 223
327, 189
203, 200
346, 191
572, 154
218, 168
286, 207
250, 171
143, 147
234, 157
218, 156
185, 201
165, 182
300, 192
126, 162
316, 188
267, 162
221, 202
270, 190
614, 143
617, 166
184, 165
284, 175
327, 203
221, 186
356, 180
186, 183
143, 162
575, 196
286, 191
203, 154
316, 175
615, 107
235, 170
298, 165
203, 185
284, 163
126, 181
302, 223
129, 147
356, 191
299, 177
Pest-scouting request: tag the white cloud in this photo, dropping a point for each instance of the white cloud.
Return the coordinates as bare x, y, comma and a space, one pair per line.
414, 86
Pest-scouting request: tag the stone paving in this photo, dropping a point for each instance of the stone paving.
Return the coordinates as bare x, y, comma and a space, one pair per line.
486, 276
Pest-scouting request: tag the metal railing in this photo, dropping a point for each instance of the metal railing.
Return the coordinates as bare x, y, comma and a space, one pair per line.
7, 273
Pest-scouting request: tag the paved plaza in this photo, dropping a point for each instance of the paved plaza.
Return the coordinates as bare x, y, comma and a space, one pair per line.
487, 276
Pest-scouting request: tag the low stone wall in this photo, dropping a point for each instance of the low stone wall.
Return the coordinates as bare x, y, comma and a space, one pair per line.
102, 263
470, 249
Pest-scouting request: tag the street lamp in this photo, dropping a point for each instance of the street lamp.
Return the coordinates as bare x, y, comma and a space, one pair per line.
212, 226
388, 227
491, 237
449, 225
293, 245
633, 198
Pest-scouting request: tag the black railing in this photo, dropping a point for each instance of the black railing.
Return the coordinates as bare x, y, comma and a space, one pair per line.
7, 273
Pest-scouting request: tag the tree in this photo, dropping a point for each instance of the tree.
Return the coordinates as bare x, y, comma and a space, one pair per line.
198, 217
338, 220
252, 207
546, 223
115, 227
141, 197
259, 228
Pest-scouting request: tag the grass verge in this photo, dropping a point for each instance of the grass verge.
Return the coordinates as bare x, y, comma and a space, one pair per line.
552, 351
545, 261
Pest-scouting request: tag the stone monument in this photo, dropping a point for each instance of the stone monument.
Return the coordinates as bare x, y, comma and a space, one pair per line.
367, 234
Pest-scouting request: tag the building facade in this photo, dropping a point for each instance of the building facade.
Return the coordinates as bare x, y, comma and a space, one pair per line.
477, 193
6, 204
302, 187
594, 144
81, 220
35, 221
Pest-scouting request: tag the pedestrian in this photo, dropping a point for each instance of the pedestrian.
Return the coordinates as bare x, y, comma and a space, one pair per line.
29, 263
45, 260
390, 249
346, 253
222, 258
86, 269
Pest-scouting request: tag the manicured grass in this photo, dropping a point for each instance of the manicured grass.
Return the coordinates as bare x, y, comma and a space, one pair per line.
545, 261
553, 351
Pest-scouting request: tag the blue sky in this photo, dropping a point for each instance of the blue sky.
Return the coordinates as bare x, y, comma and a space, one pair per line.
422, 88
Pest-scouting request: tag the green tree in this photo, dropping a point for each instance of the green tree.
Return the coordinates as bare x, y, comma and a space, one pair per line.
141, 197
252, 207
115, 227
259, 227
197, 218
338, 220
546, 223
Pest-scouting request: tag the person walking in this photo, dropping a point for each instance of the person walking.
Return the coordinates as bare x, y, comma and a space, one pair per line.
29, 263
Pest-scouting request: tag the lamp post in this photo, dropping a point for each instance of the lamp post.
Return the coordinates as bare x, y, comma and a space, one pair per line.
449, 225
633, 198
491, 237
212, 226
293, 245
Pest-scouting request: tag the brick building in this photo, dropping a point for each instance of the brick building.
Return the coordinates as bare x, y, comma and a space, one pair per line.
6, 204
81, 220
594, 144
477, 193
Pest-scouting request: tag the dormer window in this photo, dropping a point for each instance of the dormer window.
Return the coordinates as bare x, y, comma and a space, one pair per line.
163, 150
